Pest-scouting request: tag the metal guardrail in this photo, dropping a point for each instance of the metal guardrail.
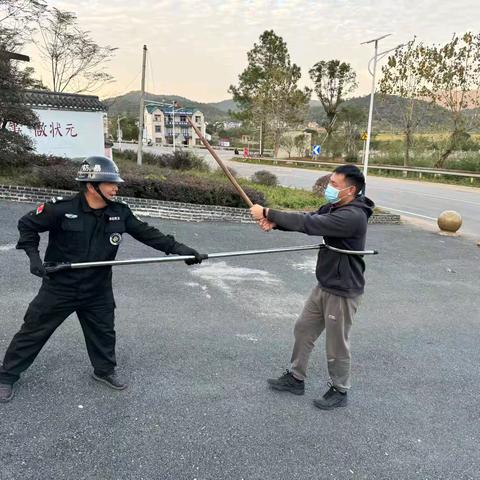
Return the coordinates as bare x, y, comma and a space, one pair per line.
432, 171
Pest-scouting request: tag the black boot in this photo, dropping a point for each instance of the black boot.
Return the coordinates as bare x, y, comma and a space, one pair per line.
288, 383
332, 399
111, 381
6, 392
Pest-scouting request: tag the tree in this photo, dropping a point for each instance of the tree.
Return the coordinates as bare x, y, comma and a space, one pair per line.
17, 17
14, 113
403, 77
75, 61
301, 143
452, 79
351, 119
333, 80
288, 144
267, 93
128, 126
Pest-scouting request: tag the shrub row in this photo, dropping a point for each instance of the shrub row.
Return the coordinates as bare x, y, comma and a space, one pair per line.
173, 187
178, 160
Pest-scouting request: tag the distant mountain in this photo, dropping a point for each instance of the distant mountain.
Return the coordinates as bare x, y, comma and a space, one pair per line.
225, 106
387, 109
229, 105
129, 103
387, 112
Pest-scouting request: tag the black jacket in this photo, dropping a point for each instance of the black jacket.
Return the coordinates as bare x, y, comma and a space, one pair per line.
343, 227
77, 233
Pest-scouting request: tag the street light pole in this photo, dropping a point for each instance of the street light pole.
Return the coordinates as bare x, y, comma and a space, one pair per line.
375, 58
142, 109
119, 131
173, 124
370, 110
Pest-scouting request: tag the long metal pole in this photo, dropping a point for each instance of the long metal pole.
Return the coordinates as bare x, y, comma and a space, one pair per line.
173, 125
370, 114
142, 108
182, 258
222, 165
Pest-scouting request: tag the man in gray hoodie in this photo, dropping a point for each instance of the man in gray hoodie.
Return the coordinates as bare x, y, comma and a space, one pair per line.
333, 302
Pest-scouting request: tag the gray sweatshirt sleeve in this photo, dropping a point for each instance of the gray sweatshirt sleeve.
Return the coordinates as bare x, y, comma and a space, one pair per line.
338, 223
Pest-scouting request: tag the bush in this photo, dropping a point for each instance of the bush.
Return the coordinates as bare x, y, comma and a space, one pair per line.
291, 198
179, 160
264, 177
321, 184
173, 187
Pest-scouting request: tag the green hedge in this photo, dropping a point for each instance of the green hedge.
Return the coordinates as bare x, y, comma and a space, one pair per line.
172, 187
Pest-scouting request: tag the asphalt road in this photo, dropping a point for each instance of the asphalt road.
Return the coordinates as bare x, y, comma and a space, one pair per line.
412, 199
197, 344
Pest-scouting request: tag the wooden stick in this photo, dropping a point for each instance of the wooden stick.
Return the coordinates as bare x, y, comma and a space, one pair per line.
222, 165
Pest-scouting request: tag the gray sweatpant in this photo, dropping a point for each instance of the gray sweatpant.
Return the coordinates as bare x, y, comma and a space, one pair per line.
334, 314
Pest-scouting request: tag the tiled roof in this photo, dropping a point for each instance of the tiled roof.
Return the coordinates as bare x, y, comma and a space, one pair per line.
63, 101
166, 109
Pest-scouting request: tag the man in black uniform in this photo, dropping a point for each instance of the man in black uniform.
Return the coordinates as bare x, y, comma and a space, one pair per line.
85, 228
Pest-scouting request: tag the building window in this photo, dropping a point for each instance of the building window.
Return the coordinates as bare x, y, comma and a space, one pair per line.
198, 119
158, 140
158, 118
158, 129
183, 118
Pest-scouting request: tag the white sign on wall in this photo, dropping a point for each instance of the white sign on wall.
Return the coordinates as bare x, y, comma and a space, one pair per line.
66, 133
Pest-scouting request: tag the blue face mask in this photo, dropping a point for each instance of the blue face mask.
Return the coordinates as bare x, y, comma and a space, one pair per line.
331, 194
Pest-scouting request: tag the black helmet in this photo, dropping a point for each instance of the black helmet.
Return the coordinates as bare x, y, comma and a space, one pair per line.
99, 169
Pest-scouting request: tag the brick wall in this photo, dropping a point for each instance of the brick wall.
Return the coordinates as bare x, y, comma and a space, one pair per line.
188, 212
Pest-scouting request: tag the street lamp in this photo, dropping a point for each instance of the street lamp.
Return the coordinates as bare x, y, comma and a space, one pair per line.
119, 131
370, 110
377, 56
173, 105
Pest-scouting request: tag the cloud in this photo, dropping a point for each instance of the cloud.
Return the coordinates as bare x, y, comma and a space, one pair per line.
198, 49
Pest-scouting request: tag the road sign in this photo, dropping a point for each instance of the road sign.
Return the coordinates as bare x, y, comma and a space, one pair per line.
316, 149
364, 136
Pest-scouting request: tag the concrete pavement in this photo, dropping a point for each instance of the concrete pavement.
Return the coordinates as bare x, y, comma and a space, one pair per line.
197, 345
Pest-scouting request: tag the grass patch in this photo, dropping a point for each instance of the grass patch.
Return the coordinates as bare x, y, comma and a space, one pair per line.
287, 198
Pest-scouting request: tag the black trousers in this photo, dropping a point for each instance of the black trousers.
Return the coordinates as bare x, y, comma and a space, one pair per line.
46, 313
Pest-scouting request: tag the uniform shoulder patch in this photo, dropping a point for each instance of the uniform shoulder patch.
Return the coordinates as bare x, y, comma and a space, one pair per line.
60, 199
40, 209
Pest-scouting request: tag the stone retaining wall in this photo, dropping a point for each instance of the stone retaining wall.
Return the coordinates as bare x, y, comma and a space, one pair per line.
188, 212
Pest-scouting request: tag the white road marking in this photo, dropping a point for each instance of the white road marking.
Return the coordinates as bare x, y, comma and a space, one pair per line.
6, 248
407, 212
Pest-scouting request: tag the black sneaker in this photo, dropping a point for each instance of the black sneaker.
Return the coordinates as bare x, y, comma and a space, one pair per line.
111, 381
332, 399
6, 392
287, 383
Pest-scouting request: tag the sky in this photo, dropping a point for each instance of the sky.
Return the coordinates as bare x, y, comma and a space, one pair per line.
197, 48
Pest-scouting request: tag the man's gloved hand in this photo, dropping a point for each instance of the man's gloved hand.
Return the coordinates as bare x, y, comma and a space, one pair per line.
183, 250
36, 264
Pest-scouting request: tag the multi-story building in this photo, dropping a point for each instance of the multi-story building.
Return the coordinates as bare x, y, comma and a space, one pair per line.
162, 123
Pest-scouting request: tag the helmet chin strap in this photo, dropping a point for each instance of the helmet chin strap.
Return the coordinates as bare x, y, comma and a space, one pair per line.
96, 186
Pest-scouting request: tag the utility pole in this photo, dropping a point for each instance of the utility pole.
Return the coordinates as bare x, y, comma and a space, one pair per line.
142, 109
